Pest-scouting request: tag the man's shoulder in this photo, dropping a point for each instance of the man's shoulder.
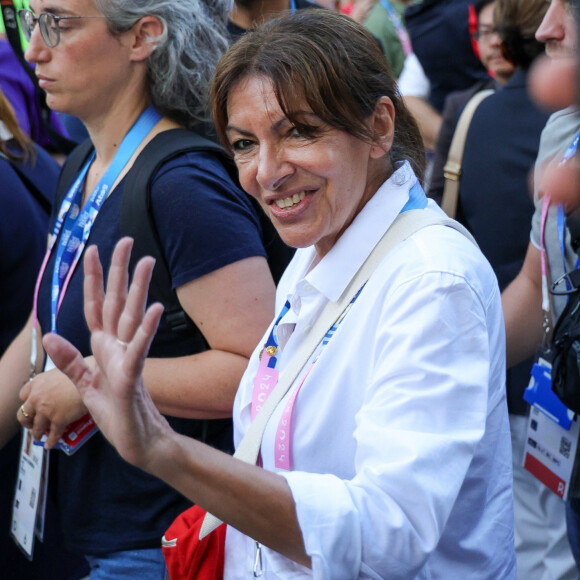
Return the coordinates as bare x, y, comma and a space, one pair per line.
564, 120
560, 130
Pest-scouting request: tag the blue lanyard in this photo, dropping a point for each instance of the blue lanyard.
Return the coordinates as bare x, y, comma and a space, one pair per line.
76, 223
570, 152
292, 6
271, 346
399, 27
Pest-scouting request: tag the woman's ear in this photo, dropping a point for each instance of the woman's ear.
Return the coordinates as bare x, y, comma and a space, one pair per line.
383, 126
146, 33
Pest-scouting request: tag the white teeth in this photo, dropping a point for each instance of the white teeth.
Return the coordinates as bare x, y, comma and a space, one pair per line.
291, 200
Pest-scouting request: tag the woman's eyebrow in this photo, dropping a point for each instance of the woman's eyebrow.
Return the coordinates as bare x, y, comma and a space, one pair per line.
237, 130
276, 125
56, 10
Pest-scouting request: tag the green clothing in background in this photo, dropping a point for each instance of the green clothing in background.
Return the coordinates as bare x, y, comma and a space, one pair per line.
379, 23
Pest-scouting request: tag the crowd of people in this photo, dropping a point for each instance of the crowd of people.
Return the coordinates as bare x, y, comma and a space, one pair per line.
295, 145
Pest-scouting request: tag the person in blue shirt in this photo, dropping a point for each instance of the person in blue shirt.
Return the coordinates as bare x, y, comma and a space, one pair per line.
28, 175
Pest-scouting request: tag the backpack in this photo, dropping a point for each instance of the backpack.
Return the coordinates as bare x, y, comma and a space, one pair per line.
565, 348
137, 218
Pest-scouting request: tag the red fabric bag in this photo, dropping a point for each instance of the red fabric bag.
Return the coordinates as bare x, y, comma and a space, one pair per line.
186, 556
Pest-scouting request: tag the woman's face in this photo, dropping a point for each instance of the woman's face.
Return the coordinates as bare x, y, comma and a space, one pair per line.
312, 187
87, 71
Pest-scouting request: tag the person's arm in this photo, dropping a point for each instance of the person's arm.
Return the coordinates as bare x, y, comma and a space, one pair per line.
246, 496
14, 372
522, 307
428, 119
415, 87
232, 306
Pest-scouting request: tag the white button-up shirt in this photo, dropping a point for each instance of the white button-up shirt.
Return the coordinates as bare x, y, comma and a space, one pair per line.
401, 458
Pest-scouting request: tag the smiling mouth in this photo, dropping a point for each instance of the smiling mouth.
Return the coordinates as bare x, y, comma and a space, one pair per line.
291, 201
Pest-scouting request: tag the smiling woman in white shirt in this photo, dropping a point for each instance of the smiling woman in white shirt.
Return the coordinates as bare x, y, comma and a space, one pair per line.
397, 460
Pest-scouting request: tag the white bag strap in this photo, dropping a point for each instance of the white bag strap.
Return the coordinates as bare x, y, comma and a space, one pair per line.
452, 169
406, 224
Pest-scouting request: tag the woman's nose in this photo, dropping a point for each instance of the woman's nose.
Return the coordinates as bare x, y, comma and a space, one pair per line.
37, 49
273, 168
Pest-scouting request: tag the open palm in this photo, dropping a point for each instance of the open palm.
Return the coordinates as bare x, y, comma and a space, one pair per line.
121, 333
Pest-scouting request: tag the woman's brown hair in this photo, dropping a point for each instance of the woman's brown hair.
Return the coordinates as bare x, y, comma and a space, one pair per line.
328, 61
23, 148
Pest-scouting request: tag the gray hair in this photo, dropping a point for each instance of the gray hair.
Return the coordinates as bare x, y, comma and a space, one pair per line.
181, 65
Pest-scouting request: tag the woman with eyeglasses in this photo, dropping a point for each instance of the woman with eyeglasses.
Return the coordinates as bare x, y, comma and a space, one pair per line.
131, 70
389, 455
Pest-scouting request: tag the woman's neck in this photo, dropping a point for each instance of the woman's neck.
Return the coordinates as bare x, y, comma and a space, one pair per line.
108, 131
107, 135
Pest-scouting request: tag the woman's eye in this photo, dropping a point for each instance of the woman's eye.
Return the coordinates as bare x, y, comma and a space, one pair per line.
304, 132
242, 145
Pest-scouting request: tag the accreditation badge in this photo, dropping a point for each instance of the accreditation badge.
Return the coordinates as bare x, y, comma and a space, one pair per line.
552, 437
30, 496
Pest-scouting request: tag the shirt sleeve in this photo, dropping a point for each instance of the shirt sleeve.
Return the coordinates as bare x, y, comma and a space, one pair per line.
204, 220
423, 417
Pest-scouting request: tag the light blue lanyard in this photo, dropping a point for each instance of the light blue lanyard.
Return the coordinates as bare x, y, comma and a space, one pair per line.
292, 6
76, 223
399, 27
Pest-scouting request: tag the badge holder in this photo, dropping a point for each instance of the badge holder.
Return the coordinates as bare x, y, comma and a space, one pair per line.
30, 495
29, 507
551, 452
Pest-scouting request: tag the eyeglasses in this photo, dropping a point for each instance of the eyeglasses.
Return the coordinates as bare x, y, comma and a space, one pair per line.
485, 32
48, 23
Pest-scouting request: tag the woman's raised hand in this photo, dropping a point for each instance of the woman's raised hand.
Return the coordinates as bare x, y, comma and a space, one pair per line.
121, 333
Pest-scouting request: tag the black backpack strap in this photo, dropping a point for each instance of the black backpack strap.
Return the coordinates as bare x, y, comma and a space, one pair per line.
137, 218
10, 19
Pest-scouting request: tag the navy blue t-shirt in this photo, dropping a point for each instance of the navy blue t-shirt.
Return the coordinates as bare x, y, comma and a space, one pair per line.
495, 202
205, 222
23, 244
439, 31
22, 238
